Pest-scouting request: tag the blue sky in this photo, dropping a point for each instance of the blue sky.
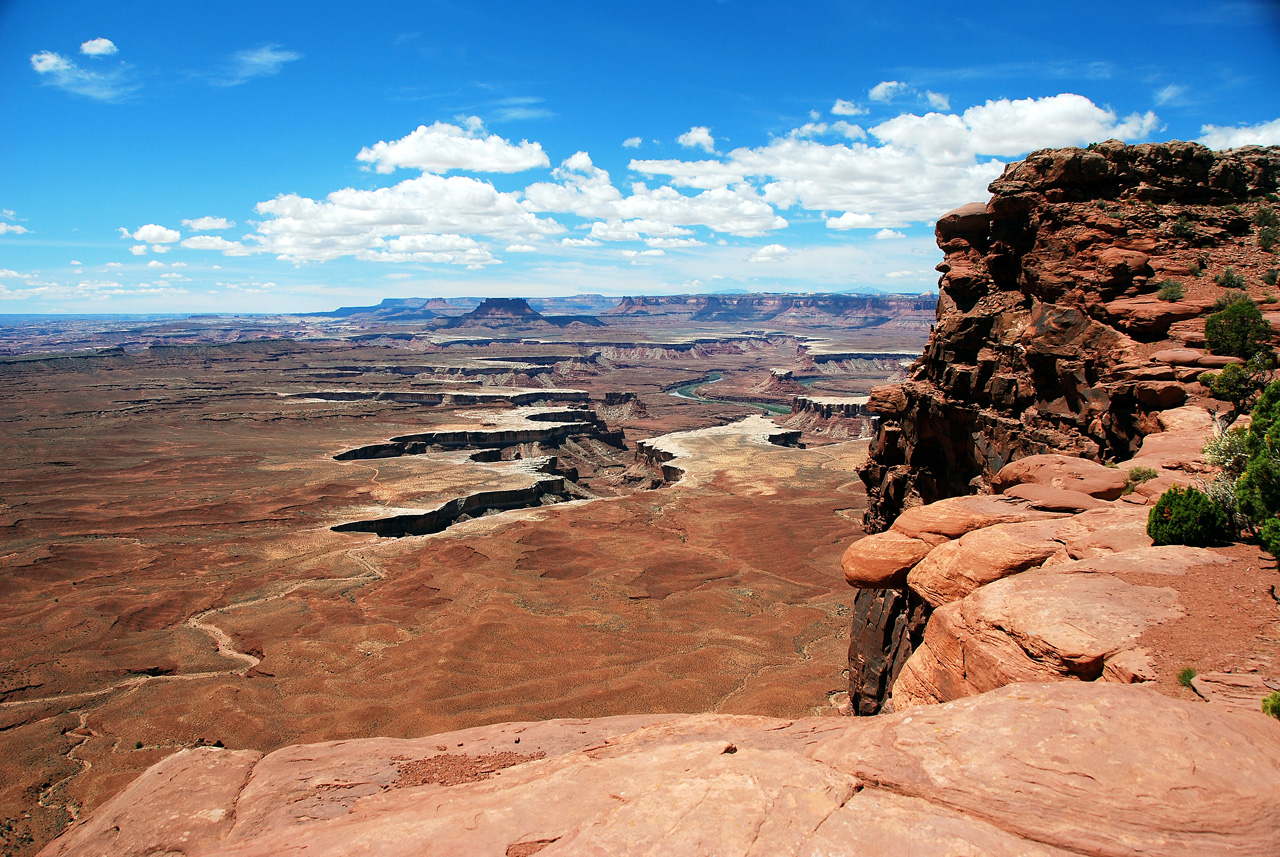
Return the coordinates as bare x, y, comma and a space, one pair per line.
294, 156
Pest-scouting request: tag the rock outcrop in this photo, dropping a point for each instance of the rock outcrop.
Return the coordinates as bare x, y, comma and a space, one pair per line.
1046, 303
1030, 770
1052, 354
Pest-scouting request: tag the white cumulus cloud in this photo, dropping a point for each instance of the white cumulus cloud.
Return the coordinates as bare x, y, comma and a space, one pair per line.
770, 253
152, 233
1228, 137
887, 90
887, 234
847, 108
98, 47
521, 248
443, 147
631, 143
937, 100
14, 228
206, 224
215, 242
138, 249
698, 137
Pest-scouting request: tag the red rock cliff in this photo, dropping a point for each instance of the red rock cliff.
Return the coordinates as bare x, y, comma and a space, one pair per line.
1047, 324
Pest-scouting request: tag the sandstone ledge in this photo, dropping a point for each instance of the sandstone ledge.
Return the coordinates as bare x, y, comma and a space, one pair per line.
1030, 769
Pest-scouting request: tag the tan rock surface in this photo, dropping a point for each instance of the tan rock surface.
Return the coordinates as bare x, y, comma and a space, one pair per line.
882, 559
955, 569
1051, 499
1037, 626
1062, 471
955, 516
1027, 770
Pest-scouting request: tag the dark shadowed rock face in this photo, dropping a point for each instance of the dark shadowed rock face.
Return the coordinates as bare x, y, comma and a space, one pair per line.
1050, 334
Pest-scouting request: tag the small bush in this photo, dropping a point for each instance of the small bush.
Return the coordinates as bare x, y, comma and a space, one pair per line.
1271, 277
1233, 208
1229, 452
1229, 279
1182, 229
1170, 290
1268, 236
1187, 517
1268, 299
1185, 675
1238, 330
1271, 197
1196, 270
1271, 704
1266, 217
1140, 473
1226, 299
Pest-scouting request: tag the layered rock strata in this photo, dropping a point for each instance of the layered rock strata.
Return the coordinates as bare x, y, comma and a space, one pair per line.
1051, 340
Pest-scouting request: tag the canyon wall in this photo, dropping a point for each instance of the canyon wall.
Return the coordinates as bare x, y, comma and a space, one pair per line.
1050, 335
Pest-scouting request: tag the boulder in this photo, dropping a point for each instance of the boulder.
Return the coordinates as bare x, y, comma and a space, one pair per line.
955, 569
882, 560
887, 400
1178, 356
1062, 471
1050, 499
1159, 395
1036, 626
955, 516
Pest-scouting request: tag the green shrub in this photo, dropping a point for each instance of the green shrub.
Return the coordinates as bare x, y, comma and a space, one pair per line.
1271, 197
1170, 290
1266, 217
1226, 299
1187, 517
1271, 704
1182, 229
1229, 279
1196, 270
1267, 238
1238, 330
1185, 675
1271, 277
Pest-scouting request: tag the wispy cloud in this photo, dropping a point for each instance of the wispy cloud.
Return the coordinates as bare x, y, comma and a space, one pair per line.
521, 107
57, 70
1170, 94
250, 64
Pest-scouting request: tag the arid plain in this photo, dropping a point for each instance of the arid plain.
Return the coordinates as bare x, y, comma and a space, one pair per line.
632, 509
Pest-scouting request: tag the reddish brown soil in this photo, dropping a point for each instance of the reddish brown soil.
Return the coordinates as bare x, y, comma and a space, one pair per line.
1231, 620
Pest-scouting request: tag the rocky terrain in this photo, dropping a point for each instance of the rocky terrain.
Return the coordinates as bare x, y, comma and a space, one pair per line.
1051, 340
1045, 680
259, 544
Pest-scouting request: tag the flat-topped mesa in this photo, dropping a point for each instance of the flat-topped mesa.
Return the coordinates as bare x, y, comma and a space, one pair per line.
1048, 309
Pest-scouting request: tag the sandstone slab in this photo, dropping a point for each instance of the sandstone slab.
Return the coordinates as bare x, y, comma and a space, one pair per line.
1062, 471
955, 516
882, 559
1035, 626
1049, 498
1039, 769
955, 569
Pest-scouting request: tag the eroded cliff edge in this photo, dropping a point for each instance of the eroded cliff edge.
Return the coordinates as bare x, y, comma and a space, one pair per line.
1051, 338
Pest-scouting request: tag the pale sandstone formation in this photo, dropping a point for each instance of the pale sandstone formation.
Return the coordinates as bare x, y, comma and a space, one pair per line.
1027, 770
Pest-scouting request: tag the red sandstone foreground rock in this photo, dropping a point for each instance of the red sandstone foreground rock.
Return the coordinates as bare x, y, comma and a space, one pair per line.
1029, 770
